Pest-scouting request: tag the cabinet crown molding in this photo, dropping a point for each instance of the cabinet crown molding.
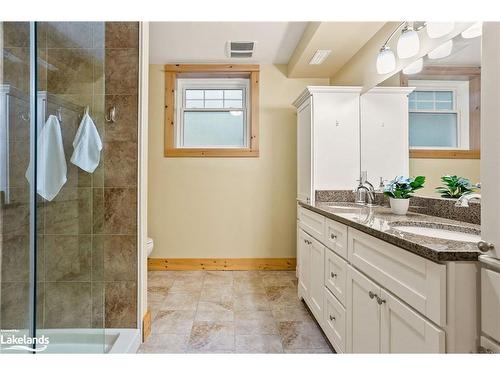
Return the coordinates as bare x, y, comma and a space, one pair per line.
311, 90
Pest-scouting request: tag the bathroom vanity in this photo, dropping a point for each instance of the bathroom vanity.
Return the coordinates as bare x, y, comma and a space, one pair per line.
376, 289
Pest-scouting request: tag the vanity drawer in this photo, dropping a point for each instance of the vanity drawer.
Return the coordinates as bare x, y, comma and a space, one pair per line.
336, 237
334, 321
417, 281
312, 223
336, 275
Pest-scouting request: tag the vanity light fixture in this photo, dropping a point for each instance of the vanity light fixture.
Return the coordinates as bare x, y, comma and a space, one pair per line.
408, 43
319, 56
439, 29
386, 61
442, 51
415, 67
474, 31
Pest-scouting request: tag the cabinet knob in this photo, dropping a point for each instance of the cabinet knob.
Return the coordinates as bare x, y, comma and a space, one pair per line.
371, 294
484, 246
380, 300
332, 318
333, 237
333, 275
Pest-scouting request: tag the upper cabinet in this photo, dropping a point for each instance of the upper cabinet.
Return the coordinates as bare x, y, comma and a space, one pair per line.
384, 133
327, 139
329, 136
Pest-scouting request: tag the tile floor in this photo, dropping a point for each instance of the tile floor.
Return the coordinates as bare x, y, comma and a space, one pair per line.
229, 312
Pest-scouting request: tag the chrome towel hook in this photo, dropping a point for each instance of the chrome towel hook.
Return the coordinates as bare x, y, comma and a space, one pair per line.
111, 116
59, 114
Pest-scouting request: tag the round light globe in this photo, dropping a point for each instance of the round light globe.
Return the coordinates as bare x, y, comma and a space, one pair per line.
439, 29
474, 31
442, 51
408, 44
386, 61
415, 67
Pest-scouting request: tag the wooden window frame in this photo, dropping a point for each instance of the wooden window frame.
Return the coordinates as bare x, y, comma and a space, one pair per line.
174, 71
473, 75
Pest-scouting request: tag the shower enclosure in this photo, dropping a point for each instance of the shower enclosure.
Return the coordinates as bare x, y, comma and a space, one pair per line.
68, 265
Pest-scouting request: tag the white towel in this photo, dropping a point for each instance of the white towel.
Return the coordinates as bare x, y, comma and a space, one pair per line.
87, 145
51, 161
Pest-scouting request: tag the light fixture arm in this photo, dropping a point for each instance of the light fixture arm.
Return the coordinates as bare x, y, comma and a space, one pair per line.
394, 33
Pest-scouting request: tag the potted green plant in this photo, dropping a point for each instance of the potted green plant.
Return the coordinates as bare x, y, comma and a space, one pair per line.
454, 186
400, 190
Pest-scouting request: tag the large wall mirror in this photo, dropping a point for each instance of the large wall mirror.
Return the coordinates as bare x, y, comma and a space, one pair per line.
433, 117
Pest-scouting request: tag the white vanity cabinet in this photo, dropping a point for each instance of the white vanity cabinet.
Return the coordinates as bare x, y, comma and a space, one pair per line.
327, 139
370, 296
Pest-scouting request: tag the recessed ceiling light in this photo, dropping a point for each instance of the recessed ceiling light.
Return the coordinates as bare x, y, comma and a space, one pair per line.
319, 56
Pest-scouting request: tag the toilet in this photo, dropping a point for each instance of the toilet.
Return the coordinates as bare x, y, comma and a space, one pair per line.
149, 246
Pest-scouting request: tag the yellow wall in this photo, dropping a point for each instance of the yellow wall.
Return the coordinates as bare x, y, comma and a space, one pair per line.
433, 169
228, 207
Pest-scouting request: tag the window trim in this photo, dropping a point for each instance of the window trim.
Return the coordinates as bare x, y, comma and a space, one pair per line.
173, 72
205, 83
460, 91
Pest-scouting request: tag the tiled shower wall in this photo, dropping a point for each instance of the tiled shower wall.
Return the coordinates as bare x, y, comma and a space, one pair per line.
87, 242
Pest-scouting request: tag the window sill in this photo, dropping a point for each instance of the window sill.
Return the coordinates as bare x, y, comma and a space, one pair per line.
211, 152
445, 154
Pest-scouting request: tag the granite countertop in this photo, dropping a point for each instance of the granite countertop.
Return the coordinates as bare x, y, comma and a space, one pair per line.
379, 222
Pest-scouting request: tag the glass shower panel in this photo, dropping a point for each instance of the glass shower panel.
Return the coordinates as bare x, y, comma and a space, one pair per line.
16, 211
71, 79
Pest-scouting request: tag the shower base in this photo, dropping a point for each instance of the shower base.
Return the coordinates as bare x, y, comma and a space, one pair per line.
92, 340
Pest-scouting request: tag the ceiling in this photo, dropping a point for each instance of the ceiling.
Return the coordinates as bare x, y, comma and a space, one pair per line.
343, 38
205, 42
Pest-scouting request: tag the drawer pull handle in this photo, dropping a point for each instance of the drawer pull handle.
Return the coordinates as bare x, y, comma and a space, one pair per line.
484, 350
333, 237
332, 318
333, 275
380, 300
372, 295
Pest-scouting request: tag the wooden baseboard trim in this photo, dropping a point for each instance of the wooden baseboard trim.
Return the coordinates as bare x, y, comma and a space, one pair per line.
221, 264
146, 325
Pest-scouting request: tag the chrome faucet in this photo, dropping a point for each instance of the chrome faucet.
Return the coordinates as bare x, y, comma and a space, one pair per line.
464, 200
360, 198
364, 187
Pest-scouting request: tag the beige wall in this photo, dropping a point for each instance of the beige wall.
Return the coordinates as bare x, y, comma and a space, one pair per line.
433, 169
228, 207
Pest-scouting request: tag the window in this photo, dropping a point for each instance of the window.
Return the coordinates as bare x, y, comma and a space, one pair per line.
439, 115
210, 112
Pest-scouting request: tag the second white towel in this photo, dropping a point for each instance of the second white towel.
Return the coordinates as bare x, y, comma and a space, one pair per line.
87, 145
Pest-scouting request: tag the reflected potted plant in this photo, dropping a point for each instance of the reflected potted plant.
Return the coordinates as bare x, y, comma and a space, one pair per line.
400, 190
454, 187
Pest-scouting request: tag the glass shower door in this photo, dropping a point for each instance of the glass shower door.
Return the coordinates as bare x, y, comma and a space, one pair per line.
51, 283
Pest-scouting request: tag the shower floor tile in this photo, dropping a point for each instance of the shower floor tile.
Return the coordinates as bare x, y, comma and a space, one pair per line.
229, 312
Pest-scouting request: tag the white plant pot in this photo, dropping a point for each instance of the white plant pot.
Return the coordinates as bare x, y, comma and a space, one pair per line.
399, 206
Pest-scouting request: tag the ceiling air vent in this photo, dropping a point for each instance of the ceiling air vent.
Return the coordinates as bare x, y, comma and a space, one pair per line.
240, 49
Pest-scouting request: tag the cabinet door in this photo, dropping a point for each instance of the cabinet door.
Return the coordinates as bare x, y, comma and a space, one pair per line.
304, 152
384, 133
490, 303
336, 140
304, 254
317, 279
403, 330
363, 314
335, 275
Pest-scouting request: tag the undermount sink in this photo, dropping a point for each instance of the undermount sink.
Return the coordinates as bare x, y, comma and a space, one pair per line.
439, 230
346, 206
